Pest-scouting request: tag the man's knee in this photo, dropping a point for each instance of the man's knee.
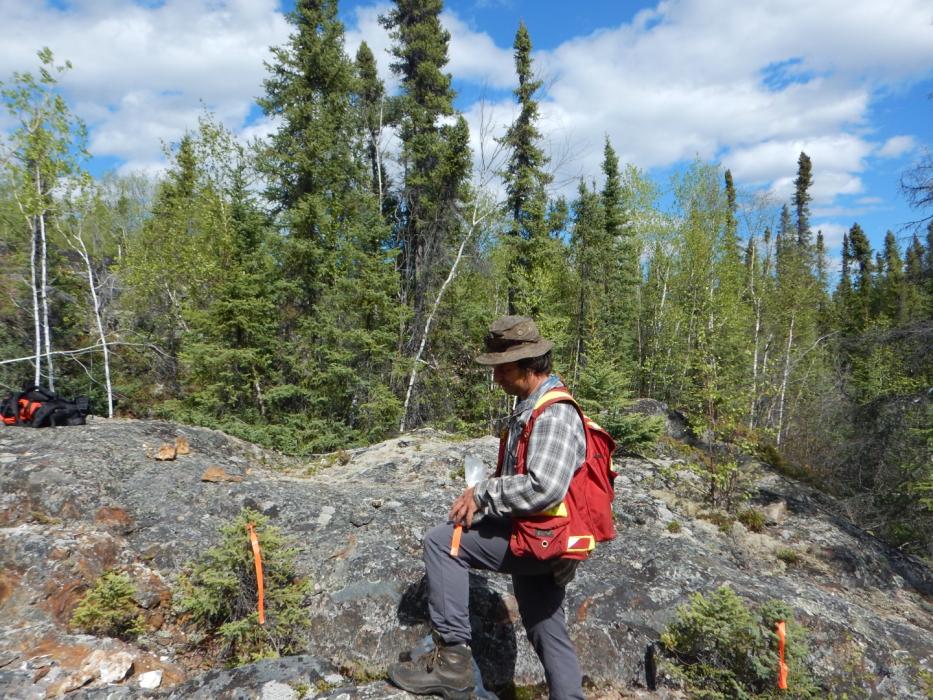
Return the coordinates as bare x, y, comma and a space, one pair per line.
437, 539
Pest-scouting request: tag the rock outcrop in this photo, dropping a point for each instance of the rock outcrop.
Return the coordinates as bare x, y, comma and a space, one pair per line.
75, 502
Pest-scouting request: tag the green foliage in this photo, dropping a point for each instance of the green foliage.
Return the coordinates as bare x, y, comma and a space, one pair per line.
674, 527
788, 556
752, 518
725, 650
219, 592
108, 608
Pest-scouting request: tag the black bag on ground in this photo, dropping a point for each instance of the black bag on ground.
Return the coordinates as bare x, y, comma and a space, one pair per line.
40, 408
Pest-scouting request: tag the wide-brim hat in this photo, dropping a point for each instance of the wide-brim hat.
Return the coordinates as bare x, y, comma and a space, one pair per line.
513, 338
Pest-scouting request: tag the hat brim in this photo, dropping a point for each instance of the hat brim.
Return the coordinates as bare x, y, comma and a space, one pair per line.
519, 352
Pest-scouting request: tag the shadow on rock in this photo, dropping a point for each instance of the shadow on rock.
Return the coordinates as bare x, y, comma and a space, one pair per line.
492, 624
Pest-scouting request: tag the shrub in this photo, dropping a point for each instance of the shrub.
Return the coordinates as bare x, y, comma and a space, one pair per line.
220, 593
788, 556
721, 649
674, 527
108, 608
752, 518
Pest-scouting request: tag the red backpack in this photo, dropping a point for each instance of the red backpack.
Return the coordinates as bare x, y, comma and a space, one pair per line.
571, 529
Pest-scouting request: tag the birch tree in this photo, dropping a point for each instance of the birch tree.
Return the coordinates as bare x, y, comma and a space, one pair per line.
43, 150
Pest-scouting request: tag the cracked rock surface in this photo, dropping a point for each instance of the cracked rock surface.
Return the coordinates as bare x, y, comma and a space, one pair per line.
78, 501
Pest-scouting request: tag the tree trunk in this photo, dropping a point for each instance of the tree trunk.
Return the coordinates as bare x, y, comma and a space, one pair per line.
44, 295
427, 325
786, 374
37, 324
100, 324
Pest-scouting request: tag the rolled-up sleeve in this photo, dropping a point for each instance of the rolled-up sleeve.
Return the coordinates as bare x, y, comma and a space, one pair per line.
556, 449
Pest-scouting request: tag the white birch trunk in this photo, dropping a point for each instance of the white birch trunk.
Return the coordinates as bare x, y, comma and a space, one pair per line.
786, 374
427, 327
100, 324
37, 375
45, 304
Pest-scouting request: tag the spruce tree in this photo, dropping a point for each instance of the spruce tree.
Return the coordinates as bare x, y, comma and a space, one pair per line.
525, 180
917, 305
435, 156
863, 283
802, 199
619, 267
310, 160
169, 267
342, 317
428, 229
373, 114
731, 236
892, 291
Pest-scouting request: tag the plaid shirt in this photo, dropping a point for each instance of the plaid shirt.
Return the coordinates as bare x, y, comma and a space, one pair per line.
556, 449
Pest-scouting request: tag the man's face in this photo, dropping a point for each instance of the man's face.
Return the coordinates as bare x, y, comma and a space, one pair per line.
512, 379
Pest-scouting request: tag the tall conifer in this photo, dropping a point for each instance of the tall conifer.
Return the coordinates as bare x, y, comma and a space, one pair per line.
435, 155
342, 318
525, 179
802, 199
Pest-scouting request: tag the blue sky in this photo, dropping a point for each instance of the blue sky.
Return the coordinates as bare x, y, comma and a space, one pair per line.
745, 84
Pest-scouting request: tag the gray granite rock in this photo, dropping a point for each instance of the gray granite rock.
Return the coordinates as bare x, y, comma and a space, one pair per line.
78, 501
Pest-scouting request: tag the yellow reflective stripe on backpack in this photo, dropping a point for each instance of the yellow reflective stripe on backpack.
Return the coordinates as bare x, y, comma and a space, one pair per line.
581, 543
552, 395
560, 511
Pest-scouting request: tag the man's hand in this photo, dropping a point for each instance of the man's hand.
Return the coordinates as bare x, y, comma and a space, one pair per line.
463, 509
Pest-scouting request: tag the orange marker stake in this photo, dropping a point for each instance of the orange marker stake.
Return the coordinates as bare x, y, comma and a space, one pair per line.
455, 540
258, 559
782, 667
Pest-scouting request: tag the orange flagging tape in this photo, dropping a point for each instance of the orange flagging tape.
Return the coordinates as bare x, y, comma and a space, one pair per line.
258, 559
782, 667
455, 541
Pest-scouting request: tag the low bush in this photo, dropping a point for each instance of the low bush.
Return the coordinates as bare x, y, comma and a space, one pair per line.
108, 608
219, 592
752, 518
723, 650
788, 556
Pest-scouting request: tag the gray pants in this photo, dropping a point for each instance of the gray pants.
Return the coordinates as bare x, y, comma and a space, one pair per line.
540, 599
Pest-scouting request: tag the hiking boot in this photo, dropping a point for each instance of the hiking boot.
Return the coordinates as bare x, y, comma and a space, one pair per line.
445, 670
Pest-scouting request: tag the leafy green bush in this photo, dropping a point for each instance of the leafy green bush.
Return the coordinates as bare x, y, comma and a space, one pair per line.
723, 650
674, 527
108, 608
220, 593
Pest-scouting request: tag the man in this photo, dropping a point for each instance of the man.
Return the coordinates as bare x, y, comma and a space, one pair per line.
555, 449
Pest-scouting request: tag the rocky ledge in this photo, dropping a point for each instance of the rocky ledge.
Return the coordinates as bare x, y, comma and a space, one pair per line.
75, 502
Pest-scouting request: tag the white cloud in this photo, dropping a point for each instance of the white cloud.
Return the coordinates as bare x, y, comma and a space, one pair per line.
142, 75
750, 84
897, 146
474, 56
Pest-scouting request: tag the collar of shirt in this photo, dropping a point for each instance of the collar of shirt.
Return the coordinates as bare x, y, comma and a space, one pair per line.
529, 403
519, 418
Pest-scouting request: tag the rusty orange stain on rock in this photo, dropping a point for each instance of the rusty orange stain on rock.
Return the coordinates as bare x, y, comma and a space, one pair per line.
8, 582
582, 610
62, 597
115, 518
69, 511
